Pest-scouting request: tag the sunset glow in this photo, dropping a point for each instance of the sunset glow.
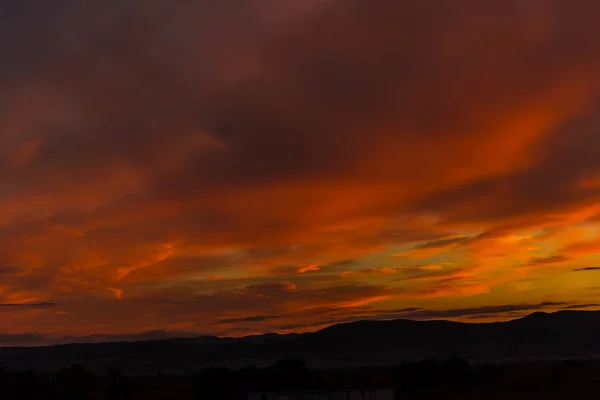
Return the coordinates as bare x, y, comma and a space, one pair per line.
238, 167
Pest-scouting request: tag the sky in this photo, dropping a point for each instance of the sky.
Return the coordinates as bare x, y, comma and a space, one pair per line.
236, 167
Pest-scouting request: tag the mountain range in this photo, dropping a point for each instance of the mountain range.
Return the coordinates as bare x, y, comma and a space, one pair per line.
571, 334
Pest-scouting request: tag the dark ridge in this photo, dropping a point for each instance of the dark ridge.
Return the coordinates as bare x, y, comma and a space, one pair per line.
371, 342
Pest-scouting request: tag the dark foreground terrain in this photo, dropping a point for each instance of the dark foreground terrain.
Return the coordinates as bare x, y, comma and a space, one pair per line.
539, 336
427, 379
542, 356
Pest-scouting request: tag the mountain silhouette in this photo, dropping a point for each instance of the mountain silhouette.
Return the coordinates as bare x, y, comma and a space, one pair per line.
370, 342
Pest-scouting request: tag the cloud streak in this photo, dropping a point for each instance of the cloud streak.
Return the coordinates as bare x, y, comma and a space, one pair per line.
218, 155
587, 269
477, 311
27, 305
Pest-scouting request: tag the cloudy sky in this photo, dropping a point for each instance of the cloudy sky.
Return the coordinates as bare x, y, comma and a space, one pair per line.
234, 167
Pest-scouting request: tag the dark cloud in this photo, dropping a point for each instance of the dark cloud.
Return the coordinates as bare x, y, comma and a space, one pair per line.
342, 264
332, 75
555, 259
203, 153
587, 269
25, 339
293, 327
551, 303
479, 312
580, 306
37, 339
27, 305
157, 334
6, 271
409, 309
483, 316
255, 318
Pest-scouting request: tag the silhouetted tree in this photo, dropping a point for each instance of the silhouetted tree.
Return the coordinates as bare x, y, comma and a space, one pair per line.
250, 379
5, 380
290, 374
487, 374
363, 379
119, 386
417, 375
28, 385
72, 383
558, 373
215, 384
454, 371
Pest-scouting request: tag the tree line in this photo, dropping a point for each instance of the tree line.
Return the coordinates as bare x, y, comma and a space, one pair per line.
292, 374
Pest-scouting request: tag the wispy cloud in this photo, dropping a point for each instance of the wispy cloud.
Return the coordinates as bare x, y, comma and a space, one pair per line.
587, 269
27, 305
254, 318
581, 306
219, 154
478, 311
555, 259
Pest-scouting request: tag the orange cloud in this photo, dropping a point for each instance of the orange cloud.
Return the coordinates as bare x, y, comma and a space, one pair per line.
266, 159
307, 268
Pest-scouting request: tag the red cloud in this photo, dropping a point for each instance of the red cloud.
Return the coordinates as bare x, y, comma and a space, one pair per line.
210, 153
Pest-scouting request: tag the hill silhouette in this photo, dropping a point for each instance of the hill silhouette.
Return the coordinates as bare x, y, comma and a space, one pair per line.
568, 334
